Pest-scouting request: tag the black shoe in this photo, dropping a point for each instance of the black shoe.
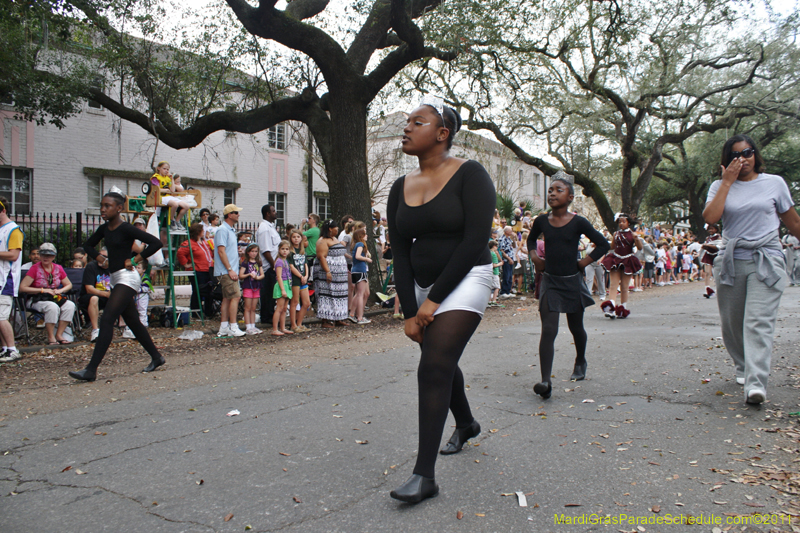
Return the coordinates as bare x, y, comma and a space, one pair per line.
84, 375
415, 489
579, 372
543, 389
154, 364
460, 437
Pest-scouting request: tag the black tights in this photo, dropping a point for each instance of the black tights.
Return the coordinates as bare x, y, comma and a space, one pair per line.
120, 303
548, 338
441, 383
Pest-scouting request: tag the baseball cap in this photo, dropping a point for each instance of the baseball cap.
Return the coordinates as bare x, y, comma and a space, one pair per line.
139, 220
230, 208
47, 249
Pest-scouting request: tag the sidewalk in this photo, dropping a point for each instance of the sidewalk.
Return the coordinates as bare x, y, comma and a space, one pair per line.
658, 429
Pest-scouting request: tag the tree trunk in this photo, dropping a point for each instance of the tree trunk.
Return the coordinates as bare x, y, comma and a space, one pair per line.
346, 166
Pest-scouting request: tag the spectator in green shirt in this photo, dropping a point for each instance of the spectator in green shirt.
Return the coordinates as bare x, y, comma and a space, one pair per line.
497, 262
312, 234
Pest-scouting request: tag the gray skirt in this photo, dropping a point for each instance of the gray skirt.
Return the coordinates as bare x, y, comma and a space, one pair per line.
127, 277
564, 294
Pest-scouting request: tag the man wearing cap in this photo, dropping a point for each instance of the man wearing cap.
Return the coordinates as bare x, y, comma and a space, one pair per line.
138, 246
11, 238
226, 268
268, 241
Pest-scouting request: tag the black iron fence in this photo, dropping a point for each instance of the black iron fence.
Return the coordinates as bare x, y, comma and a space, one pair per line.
68, 231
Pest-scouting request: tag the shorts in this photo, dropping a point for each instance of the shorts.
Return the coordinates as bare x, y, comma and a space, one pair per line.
6, 304
358, 277
472, 294
251, 293
83, 301
230, 288
495, 281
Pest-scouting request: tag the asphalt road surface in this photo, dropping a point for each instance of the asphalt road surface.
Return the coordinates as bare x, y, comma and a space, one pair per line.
658, 431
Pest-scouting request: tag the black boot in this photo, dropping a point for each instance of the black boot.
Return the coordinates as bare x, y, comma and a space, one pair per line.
155, 363
84, 375
543, 389
579, 372
415, 489
460, 437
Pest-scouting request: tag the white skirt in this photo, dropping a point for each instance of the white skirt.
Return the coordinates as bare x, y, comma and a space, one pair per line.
472, 294
127, 277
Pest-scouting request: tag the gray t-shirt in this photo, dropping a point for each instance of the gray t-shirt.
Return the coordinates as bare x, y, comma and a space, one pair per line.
752, 209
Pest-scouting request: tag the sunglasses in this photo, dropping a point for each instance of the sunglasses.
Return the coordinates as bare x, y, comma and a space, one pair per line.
747, 152
234, 213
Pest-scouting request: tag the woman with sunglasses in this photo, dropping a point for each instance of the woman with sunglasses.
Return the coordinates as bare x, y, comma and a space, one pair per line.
440, 220
118, 237
46, 282
749, 269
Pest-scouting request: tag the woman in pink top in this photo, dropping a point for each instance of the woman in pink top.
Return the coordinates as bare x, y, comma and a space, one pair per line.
47, 283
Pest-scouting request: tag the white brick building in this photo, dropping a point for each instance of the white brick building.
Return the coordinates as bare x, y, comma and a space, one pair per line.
45, 170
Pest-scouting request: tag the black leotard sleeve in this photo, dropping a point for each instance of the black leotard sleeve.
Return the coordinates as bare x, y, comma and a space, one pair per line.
439, 242
120, 243
561, 244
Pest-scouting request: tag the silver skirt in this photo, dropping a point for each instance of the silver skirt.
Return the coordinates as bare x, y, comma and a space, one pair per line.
472, 294
126, 277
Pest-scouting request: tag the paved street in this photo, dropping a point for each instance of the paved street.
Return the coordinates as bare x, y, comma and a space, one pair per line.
319, 448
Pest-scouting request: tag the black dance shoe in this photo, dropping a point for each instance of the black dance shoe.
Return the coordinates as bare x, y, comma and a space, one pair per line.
84, 375
579, 372
415, 489
543, 389
460, 437
154, 364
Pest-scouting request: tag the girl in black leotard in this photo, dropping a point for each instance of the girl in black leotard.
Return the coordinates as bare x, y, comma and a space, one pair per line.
563, 289
125, 282
440, 219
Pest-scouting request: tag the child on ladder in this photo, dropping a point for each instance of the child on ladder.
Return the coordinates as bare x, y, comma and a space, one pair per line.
169, 183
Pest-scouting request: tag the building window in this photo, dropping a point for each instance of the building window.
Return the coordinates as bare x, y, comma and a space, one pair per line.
95, 195
324, 207
228, 196
521, 178
276, 137
278, 199
502, 178
15, 186
537, 189
97, 83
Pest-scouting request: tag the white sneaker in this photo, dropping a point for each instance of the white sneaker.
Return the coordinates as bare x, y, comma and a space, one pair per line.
740, 381
224, 332
364, 321
9, 356
95, 334
236, 332
252, 331
128, 334
257, 330
756, 396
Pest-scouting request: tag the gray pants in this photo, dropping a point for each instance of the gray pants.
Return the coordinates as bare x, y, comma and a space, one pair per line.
598, 273
748, 311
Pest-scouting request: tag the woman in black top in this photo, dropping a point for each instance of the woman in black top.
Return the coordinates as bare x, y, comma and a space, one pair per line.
563, 289
440, 219
125, 282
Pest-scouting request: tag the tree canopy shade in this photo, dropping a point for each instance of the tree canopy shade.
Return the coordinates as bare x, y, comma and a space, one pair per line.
242, 68
587, 79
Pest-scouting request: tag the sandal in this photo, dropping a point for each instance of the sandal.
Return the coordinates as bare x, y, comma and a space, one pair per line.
64, 341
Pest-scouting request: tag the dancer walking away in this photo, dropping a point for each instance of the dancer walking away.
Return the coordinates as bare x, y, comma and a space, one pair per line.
710, 249
621, 264
440, 219
749, 270
118, 237
563, 289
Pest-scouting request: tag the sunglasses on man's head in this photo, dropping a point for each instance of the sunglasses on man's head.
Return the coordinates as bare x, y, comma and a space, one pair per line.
747, 152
